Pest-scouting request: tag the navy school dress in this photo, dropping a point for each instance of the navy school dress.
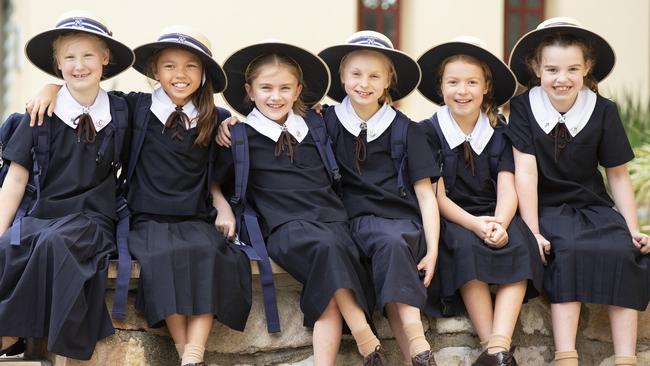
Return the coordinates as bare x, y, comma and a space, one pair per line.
53, 284
463, 256
303, 222
385, 226
592, 257
187, 266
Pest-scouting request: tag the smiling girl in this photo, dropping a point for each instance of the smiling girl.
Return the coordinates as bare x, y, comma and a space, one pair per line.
562, 130
483, 241
53, 278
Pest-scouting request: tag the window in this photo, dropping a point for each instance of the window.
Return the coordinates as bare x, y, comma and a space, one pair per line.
521, 16
381, 16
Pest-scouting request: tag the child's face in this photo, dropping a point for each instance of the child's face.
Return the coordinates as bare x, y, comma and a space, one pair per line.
274, 91
561, 71
179, 73
365, 77
463, 85
81, 60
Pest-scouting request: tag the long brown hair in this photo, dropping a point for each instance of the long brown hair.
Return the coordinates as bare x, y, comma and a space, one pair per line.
392, 74
202, 98
273, 59
489, 105
563, 40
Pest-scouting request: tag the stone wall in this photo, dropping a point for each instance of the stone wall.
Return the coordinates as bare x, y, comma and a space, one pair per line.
452, 338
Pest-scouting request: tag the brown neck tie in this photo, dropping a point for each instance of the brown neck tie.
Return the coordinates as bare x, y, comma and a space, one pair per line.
561, 136
469, 157
85, 127
177, 122
360, 152
285, 141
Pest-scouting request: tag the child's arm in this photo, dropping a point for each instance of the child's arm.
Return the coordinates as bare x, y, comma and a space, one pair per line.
225, 221
456, 214
621, 185
526, 187
505, 210
431, 223
12, 193
44, 101
223, 132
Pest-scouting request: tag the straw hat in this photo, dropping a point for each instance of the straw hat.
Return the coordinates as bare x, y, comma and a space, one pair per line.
408, 71
186, 38
40, 52
504, 84
525, 47
314, 72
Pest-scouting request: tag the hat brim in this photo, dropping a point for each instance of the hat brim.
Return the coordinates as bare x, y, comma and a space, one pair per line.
525, 47
144, 52
40, 52
315, 73
504, 84
407, 70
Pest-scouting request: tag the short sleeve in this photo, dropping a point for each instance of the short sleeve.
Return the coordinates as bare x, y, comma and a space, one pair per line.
614, 148
20, 144
518, 129
422, 153
506, 160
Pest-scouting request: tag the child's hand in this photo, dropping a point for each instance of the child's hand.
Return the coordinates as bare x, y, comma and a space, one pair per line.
225, 223
498, 236
318, 108
544, 247
481, 227
223, 132
428, 265
641, 241
44, 101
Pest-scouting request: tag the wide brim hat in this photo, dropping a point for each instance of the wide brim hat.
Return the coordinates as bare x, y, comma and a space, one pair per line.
188, 39
40, 52
525, 47
315, 74
504, 84
407, 70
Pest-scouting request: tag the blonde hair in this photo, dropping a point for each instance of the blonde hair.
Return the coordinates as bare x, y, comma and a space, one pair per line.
253, 70
390, 68
56, 45
563, 40
202, 98
489, 105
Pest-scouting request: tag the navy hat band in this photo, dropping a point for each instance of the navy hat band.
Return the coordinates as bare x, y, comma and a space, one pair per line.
84, 23
181, 38
370, 41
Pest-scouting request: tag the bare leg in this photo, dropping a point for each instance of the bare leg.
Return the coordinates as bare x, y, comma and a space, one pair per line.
177, 325
507, 307
398, 330
327, 335
624, 329
478, 302
565, 317
198, 331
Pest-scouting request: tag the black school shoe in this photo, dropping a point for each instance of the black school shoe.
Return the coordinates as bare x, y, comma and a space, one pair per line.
376, 358
497, 359
424, 359
15, 349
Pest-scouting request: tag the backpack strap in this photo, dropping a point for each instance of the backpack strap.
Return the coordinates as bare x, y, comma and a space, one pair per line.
449, 159
331, 125
248, 226
140, 123
318, 132
120, 119
498, 144
398, 145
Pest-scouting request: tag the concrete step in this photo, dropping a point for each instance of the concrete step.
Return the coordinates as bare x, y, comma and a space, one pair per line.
19, 362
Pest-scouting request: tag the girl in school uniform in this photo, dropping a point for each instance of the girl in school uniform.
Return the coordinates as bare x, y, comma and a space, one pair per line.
561, 130
384, 214
53, 281
483, 241
189, 273
303, 220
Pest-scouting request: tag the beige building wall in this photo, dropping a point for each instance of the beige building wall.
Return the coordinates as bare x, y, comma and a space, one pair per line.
316, 24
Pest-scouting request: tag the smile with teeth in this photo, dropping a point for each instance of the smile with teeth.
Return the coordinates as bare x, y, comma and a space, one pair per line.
562, 88
275, 106
363, 93
462, 101
80, 76
180, 85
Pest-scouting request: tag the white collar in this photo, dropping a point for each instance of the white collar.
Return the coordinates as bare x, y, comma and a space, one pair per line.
376, 125
67, 109
478, 138
162, 106
295, 124
575, 118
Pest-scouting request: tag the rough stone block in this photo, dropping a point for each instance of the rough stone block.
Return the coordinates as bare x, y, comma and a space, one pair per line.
533, 356
535, 317
456, 324
456, 356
